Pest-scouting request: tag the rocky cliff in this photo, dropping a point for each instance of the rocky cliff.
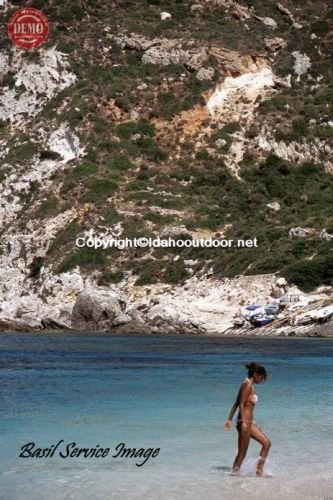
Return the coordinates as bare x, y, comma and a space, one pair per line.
183, 119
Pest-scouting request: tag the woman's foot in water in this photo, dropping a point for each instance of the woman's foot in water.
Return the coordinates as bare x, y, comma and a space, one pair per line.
235, 470
260, 467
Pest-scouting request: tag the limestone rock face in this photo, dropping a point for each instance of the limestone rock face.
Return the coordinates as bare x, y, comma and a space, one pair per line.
297, 151
35, 83
302, 63
268, 21
324, 235
274, 206
33, 292
162, 51
19, 251
219, 143
65, 142
165, 16
167, 54
290, 15
205, 73
274, 44
97, 309
299, 232
172, 231
133, 41
234, 64
236, 98
197, 8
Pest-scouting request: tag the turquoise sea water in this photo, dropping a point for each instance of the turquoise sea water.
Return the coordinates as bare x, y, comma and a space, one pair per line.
171, 393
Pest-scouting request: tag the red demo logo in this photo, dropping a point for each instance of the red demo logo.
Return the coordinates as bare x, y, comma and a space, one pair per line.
28, 28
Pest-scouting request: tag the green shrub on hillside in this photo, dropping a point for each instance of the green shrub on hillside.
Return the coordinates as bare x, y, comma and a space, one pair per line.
309, 274
151, 150
300, 128
146, 279
225, 134
8, 80
175, 272
86, 258
108, 277
2, 176
284, 64
270, 263
83, 170
37, 4
323, 131
320, 28
275, 103
123, 103
48, 207
127, 129
71, 14
148, 271
100, 189
35, 267
120, 162
65, 236
109, 145
23, 152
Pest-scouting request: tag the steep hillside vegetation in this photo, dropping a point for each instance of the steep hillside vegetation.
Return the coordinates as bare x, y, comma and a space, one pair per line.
215, 122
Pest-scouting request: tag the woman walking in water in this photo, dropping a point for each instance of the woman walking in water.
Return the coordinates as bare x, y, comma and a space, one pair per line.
246, 427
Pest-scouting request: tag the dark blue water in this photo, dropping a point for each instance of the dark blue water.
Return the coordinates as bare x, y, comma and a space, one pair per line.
171, 393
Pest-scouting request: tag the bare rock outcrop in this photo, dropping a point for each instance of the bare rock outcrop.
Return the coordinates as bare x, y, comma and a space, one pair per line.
167, 53
161, 51
267, 21
97, 309
302, 63
314, 150
205, 73
35, 83
274, 44
290, 15
54, 324
235, 64
274, 206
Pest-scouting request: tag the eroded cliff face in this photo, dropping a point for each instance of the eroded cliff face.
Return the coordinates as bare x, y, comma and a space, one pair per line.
35, 83
157, 135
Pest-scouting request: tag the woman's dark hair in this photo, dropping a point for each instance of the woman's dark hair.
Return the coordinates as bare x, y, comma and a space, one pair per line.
256, 368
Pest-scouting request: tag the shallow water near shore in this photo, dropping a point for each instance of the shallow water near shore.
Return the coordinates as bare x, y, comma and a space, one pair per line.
167, 392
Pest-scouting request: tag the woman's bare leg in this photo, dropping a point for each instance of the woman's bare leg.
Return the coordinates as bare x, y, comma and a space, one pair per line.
243, 444
258, 435
235, 468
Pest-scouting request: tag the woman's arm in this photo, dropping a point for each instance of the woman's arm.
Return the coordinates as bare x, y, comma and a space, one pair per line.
228, 422
242, 396
234, 407
244, 393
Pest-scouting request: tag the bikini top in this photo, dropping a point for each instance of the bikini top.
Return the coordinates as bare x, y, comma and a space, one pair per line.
253, 398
